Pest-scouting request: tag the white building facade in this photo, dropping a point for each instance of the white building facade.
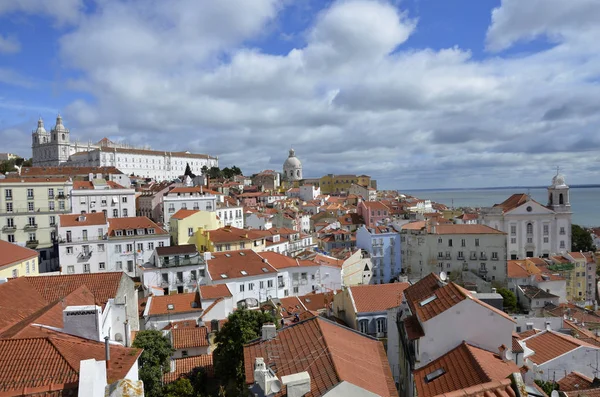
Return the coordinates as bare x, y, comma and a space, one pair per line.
55, 148
99, 195
190, 198
534, 230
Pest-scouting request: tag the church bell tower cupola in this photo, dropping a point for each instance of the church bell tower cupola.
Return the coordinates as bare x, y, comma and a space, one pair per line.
558, 194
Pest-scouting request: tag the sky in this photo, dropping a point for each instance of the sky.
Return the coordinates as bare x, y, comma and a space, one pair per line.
415, 93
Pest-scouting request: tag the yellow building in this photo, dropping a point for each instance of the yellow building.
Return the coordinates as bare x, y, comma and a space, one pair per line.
574, 272
29, 209
184, 225
16, 261
331, 183
229, 239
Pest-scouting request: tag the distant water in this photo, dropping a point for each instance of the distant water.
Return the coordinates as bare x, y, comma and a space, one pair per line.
584, 200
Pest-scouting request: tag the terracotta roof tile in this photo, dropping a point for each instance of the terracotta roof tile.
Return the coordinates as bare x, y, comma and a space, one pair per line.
331, 350
548, 345
516, 347
377, 297
575, 381
133, 223
513, 202
185, 366
176, 250
521, 269
214, 291
185, 338
413, 328
462, 367
184, 213
316, 302
528, 333
464, 229
583, 393
67, 171
74, 220
229, 234
89, 185
13, 253
235, 264
176, 303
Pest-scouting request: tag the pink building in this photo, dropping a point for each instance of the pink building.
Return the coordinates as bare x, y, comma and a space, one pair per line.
373, 212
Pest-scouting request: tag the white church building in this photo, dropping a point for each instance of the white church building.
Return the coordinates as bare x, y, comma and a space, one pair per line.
533, 229
54, 148
292, 168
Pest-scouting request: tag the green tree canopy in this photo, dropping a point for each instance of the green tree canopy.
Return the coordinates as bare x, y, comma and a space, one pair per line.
581, 239
510, 299
227, 173
241, 327
188, 171
180, 388
215, 173
236, 170
154, 361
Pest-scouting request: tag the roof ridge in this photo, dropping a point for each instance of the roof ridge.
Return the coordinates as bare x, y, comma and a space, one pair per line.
480, 366
51, 342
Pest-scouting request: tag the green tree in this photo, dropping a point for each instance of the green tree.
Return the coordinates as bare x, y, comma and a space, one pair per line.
204, 170
510, 299
215, 173
154, 361
547, 387
236, 170
227, 172
188, 171
582, 239
241, 327
180, 388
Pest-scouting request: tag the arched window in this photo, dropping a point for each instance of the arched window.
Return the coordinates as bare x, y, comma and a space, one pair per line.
363, 326
381, 325
298, 173
561, 199
529, 228
550, 198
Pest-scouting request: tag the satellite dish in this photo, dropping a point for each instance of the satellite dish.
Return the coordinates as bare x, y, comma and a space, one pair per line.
554, 393
508, 356
276, 386
443, 276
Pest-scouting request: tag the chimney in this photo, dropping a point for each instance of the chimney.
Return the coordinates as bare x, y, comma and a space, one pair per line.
265, 378
494, 290
172, 365
107, 351
548, 327
269, 331
83, 321
297, 385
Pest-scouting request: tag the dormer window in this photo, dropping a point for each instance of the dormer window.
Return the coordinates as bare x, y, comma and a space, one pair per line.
140, 232
119, 233
150, 231
130, 232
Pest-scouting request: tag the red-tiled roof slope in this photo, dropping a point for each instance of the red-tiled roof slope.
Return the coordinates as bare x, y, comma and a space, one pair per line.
214, 291
185, 366
185, 338
548, 345
513, 202
377, 297
575, 381
329, 353
133, 223
232, 264
316, 302
75, 220
183, 213
175, 304
464, 366
13, 253
103, 286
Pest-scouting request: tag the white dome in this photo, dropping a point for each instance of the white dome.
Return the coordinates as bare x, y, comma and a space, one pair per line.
40, 128
59, 127
292, 161
558, 180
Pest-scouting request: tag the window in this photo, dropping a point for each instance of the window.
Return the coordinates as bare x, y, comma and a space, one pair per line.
52, 220
151, 231
123, 199
86, 267
70, 269
363, 326
513, 240
461, 255
9, 207
10, 222
190, 231
30, 206
31, 221
476, 242
100, 247
129, 232
241, 287
381, 325
546, 239
140, 246
193, 275
529, 241
115, 213
128, 247
183, 206
119, 265
304, 276
529, 228
27, 267
69, 250
546, 230
261, 285
161, 243
513, 230
50, 205
125, 213
562, 244
130, 266
242, 245
8, 194
562, 230
269, 283
449, 242
250, 286
151, 246
295, 290
118, 248
102, 266
11, 238
32, 237
61, 205
29, 193
84, 235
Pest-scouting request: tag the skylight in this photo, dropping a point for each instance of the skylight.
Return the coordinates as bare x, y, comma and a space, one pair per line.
242, 253
244, 273
434, 375
223, 275
170, 306
265, 270
228, 255
428, 300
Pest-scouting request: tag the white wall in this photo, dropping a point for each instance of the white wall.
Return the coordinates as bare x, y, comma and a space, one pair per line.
136, 256
262, 222
173, 203
393, 346
76, 261
466, 321
192, 351
218, 312
152, 277
109, 200
583, 360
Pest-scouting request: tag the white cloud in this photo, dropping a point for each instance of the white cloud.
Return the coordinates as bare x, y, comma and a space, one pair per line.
351, 99
9, 45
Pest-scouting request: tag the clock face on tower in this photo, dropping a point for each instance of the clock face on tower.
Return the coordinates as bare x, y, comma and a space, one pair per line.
529, 209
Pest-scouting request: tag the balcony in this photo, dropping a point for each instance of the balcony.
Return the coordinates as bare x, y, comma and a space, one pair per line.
84, 255
31, 226
32, 243
280, 285
460, 257
473, 256
483, 271
61, 196
483, 257
8, 198
448, 256
9, 229
494, 258
195, 261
